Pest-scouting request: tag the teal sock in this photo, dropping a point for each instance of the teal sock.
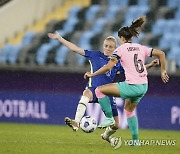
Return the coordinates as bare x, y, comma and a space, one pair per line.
133, 126
106, 106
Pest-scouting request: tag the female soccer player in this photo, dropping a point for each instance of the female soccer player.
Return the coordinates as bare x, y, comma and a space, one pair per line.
132, 57
97, 59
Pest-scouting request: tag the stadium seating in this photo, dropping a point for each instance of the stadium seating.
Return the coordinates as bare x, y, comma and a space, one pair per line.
13, 54
177, 14
143, 2
91, 12
84, 40
92, 24
123, 3
175, 55
4, 54
27, 39
42, 52
61, 55
111, 12
158, 27
173, 4
134, 12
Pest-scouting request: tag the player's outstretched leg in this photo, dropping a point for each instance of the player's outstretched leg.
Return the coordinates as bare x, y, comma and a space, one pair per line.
108, 132
81, 108
71, 123
115, 142
106, 107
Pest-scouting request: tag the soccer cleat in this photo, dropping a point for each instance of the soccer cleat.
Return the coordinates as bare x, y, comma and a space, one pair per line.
107, 122
115, 142
106, 135
105, 138
71, 123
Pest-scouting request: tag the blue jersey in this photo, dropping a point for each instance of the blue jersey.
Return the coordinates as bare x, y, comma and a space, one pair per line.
97, 60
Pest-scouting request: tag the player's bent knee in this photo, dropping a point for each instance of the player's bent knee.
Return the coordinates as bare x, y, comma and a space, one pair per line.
88, 94
98, 93
129, 114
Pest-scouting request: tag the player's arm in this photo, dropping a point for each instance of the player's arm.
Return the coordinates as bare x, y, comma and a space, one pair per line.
103, 69
68, 44
153, 63
161, 55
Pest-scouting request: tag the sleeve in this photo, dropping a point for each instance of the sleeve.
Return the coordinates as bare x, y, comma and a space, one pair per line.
116, 54
90, 53
148, 51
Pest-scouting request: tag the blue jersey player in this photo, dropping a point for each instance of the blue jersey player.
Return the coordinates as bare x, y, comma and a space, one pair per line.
97, 59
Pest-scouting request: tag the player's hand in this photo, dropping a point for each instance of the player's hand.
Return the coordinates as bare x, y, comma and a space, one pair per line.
87, 75
155, 62
54, 36
164, 76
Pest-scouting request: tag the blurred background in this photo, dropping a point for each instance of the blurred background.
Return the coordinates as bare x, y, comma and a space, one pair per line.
41, 81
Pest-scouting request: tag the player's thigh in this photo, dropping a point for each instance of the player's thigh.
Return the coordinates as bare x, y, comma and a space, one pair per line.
110, 89
129, 105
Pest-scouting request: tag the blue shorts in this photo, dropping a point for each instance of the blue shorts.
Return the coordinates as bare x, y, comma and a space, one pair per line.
112, 101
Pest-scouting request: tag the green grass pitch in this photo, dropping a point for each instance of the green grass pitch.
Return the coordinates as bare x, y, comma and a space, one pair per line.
54, 139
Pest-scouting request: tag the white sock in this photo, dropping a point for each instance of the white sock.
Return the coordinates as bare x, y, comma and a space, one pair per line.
81, 108
108, 132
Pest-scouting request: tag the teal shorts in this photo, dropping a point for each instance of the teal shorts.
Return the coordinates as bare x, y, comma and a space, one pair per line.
132, 91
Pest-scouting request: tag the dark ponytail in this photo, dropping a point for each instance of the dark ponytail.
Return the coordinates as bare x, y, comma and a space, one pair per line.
133, 30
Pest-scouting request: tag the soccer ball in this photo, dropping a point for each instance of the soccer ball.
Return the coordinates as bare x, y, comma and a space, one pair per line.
88, 124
